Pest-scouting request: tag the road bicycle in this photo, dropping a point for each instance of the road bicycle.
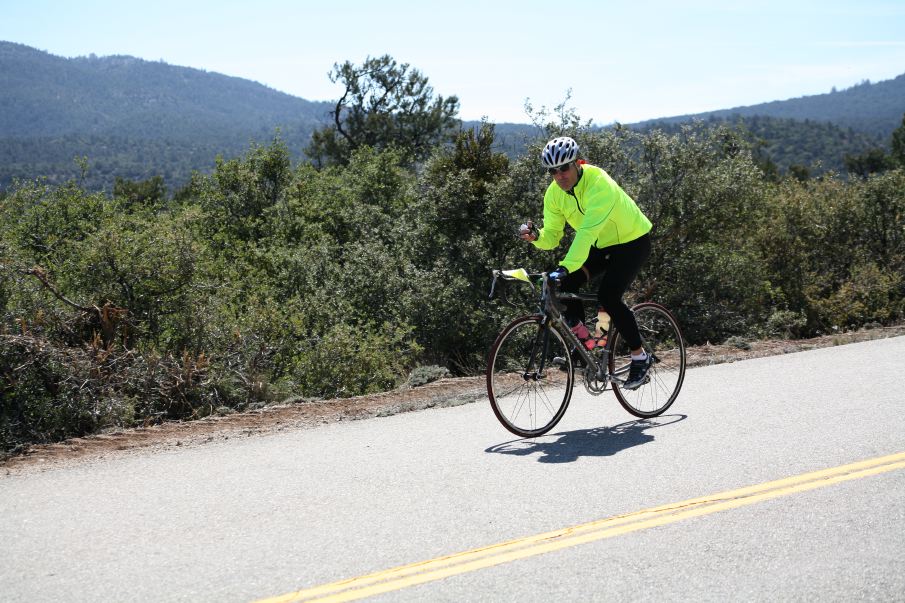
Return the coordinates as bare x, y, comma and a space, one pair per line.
537, 360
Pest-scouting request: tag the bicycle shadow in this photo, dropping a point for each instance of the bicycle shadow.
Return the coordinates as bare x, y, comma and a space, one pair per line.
569, 446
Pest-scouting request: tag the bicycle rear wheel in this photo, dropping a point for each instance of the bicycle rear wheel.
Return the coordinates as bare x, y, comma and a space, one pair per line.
529, 377
662, 337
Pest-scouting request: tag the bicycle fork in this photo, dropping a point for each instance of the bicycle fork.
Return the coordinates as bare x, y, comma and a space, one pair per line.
544, 335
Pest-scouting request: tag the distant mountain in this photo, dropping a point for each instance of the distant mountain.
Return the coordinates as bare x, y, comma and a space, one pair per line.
123, 112
872, 109
815, 132
815, 145
136, 119
47, 95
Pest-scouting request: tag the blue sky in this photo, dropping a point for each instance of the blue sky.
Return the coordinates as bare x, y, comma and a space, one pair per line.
623, 61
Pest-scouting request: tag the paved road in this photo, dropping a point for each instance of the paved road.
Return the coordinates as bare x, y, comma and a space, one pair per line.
265, 516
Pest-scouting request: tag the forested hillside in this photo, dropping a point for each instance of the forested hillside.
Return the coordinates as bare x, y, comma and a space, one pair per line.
136, 119
871, 109
133, 118
814, 146
45, 95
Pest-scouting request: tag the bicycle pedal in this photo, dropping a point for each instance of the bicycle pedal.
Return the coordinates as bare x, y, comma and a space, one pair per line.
634, 387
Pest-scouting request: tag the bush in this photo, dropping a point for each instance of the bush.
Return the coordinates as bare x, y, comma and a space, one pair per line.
870, 295
427, 374
715, 292
348, 361
44, 398
786, 323
52, 392
738, 342
835, 251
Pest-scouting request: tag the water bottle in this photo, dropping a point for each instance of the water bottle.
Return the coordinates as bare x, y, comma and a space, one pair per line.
581, 331
603, 326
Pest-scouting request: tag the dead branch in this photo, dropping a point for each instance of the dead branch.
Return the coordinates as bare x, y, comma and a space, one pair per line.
39, 274
109, 316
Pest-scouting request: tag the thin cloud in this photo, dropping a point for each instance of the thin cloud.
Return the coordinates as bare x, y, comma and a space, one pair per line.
866, 44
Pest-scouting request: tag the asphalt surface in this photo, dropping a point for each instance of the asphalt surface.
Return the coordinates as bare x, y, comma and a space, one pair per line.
260, 517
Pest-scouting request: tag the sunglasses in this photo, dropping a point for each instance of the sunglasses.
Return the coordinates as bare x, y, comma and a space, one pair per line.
561, 169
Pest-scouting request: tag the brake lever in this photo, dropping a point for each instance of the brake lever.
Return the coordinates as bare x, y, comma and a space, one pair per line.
502, 292
506, 299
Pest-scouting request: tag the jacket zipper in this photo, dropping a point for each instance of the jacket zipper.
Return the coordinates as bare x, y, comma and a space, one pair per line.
577, 204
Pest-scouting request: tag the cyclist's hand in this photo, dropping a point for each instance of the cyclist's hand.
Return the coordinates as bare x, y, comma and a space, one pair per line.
527, 231
558, 274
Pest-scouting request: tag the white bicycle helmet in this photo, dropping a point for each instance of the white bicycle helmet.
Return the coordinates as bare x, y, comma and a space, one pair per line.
559, 151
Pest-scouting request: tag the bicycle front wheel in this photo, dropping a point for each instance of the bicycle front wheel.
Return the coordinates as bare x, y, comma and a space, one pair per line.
529, 377
661, 337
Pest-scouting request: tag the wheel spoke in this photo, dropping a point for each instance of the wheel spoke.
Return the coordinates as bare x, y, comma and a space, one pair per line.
528, 402
662, 338
520, 401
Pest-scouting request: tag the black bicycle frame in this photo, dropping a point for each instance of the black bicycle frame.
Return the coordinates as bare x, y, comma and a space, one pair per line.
551, 311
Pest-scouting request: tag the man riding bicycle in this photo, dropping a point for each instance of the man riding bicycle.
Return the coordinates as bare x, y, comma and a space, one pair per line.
611, 238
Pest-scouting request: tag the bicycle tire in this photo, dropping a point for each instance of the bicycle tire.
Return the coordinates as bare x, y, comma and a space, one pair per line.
663, 338
528, 392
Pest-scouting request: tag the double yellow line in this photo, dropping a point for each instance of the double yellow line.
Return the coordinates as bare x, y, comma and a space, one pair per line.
469, 561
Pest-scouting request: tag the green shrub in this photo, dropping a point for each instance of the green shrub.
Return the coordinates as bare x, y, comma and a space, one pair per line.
423, 375
44, 394
715, 292
786, 323
738, 342
349, 361
870, 294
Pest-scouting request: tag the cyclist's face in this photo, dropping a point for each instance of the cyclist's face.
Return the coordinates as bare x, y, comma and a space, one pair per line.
566, 180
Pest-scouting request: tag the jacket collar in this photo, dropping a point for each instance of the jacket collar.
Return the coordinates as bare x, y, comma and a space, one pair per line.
571, 191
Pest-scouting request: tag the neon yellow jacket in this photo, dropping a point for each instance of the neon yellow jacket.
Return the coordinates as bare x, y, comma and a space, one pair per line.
601, 213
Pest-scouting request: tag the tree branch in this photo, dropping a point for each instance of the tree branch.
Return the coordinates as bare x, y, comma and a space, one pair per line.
39, 274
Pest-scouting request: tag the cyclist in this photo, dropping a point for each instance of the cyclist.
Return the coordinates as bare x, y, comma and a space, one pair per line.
612, 236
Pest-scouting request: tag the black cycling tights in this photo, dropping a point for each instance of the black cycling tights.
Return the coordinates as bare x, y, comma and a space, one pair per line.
619, 265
